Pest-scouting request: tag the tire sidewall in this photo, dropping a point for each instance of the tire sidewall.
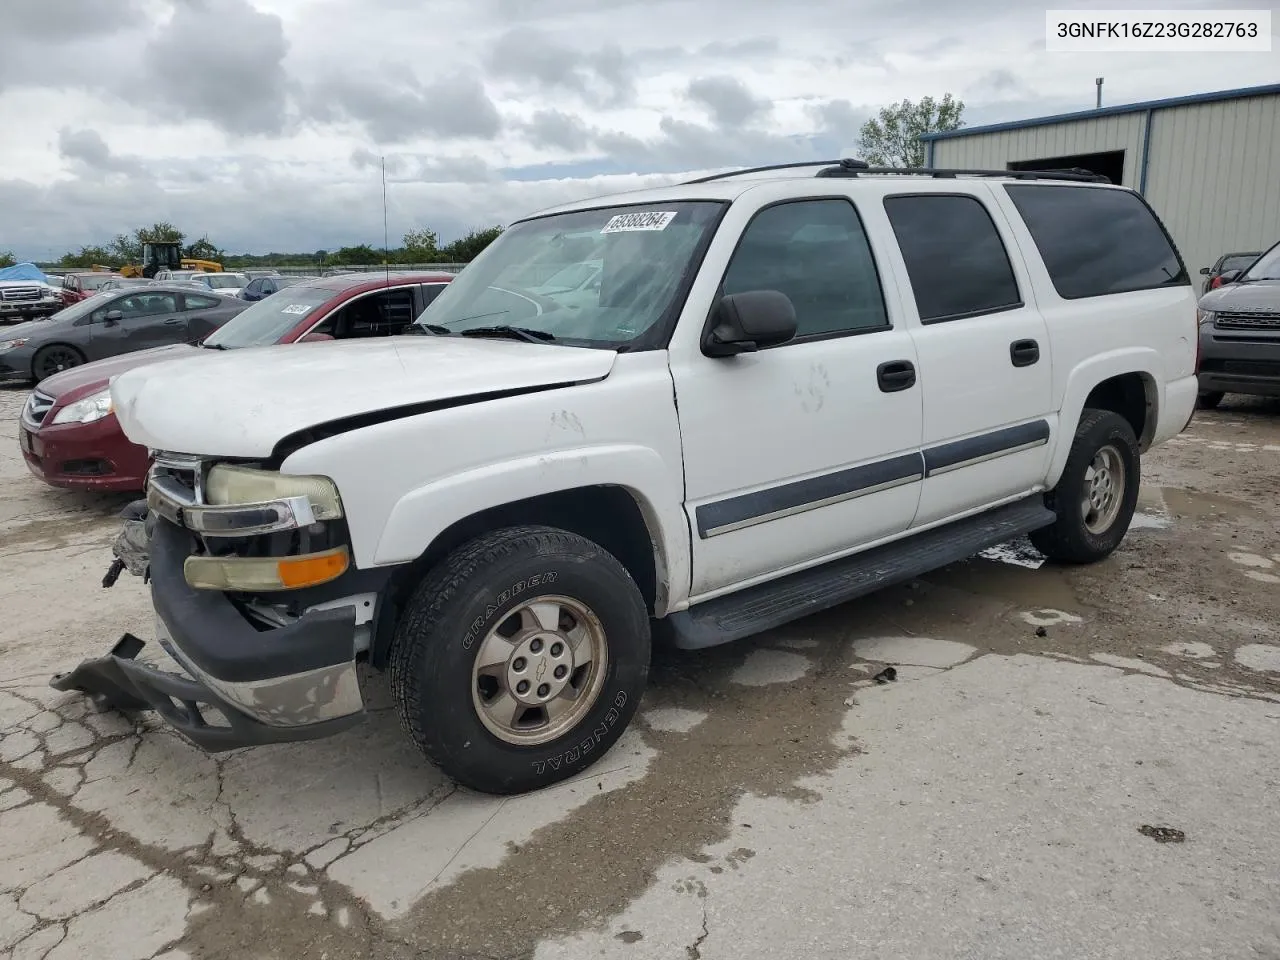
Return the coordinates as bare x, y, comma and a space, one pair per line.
448, 658
1110, 431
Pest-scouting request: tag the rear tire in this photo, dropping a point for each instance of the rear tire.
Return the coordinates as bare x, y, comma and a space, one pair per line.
1208, 401
520, 659
1097, 493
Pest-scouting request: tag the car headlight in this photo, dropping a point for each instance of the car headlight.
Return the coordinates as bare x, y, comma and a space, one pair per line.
7, 345
228, 485
91, 408
1204, 316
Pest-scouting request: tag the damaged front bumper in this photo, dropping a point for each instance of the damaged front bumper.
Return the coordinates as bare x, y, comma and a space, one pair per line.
269, 684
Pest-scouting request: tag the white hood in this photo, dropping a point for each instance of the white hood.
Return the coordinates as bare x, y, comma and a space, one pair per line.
240, 403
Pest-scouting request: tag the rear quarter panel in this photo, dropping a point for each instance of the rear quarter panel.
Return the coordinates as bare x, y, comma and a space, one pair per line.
1149, 332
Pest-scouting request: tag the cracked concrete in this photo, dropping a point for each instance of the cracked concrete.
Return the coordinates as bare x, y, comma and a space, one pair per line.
771, 800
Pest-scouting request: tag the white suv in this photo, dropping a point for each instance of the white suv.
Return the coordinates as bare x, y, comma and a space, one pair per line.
792, 387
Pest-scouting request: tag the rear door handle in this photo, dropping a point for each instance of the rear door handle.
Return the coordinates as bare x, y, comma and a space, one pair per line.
896, 375
1024, 353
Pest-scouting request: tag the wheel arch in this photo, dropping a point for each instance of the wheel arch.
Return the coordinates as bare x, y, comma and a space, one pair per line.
84, 358
618, 518
1124, 382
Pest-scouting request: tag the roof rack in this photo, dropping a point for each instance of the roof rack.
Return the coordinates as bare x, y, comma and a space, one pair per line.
850, 167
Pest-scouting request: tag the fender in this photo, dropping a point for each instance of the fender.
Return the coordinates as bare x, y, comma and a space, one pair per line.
1087, 375
424, 513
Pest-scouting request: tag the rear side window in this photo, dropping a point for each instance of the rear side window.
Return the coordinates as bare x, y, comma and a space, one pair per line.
197, 302
955, 258
1095, 242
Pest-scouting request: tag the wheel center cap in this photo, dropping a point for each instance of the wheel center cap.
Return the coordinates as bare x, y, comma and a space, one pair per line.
539, 669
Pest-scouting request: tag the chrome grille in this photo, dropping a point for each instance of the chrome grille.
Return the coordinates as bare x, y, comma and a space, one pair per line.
177, 471
36, 408
20, 294
1248, 321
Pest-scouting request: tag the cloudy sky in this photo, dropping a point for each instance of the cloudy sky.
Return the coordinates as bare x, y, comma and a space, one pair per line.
261, 122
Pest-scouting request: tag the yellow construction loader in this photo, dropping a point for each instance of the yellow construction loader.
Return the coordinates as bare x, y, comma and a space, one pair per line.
166, 255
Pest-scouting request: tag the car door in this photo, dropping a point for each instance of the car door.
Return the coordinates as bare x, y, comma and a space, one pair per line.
137, 321
808, 450
983, 348
204, 313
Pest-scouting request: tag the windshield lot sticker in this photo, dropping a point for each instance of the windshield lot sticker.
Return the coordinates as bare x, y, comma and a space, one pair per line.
631, 222
298, 308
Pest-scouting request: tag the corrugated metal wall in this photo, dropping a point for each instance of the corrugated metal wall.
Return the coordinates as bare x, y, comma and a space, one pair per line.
1213, 169
992, 151
1214, 176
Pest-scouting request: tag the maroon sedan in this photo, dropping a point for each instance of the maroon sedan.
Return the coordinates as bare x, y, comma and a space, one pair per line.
70, 438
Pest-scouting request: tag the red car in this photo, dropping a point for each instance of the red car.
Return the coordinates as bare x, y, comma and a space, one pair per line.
82, 286
70, 438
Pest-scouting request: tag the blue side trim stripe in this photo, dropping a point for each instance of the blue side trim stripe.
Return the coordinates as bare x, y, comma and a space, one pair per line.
798, 496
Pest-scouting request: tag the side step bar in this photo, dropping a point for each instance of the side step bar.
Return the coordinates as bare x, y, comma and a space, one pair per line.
789, 598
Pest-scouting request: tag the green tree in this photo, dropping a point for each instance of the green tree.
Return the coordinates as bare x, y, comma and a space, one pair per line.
421, 246
204, 249
356, 256
125, 248
892, 139
6, 258
465, 249
321, 255
86, 257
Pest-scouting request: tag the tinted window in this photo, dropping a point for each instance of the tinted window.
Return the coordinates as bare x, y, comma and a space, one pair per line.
377, 315
430, 291
1095, 241
955, 259
816, 253
196, 302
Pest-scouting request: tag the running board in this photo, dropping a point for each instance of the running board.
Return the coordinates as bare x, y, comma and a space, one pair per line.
789, 598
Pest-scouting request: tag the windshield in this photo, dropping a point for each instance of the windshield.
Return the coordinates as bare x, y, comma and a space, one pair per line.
95, 282
269, 319
85, 306
628, 261
1238, 262
1267, 267
225, 281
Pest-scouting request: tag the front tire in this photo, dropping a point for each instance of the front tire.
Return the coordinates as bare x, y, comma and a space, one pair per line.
54, 359
1097, 493
520, 659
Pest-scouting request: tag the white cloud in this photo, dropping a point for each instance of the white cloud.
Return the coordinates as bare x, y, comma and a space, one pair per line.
261, 122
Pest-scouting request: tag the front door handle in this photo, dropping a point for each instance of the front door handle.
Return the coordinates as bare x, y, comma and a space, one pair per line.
1024, 353
896, 375
172, 321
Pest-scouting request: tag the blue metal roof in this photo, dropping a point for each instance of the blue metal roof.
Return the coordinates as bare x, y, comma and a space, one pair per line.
1262, 91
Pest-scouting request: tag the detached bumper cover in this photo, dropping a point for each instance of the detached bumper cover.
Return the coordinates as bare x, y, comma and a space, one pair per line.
120, 682
296, 682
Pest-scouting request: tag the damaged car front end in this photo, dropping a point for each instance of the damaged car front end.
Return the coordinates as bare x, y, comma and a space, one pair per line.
255, 599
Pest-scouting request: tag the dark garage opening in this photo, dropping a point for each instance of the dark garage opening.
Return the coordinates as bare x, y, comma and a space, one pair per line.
1110, 164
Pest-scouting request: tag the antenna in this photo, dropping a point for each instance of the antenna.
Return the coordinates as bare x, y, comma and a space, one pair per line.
1098, 103
386, 235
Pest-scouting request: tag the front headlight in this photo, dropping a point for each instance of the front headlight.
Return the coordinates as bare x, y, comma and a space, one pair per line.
91, 408
1204, 316
229, 485
7, 345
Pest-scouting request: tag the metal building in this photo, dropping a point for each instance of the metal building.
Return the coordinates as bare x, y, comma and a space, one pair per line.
1209, 164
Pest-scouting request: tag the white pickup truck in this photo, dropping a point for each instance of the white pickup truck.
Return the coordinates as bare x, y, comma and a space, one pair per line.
791, 386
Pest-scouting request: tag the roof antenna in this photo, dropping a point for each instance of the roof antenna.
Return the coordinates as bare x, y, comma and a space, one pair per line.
386, 235
1098, 103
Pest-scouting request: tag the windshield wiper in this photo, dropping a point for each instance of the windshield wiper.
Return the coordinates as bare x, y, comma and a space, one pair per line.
527, 334
422, 329
212, 346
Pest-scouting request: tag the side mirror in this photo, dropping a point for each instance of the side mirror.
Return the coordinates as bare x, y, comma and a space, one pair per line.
113, 317
744, 322
314, 337
1204, 271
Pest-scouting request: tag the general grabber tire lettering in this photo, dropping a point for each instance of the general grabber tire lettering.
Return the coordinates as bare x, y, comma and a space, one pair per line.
520, 659
1097, 493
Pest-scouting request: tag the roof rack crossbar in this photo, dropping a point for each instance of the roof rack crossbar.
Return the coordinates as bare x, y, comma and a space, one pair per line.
850, 167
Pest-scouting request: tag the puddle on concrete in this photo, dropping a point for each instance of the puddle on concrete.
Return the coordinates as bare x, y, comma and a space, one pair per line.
1195, 505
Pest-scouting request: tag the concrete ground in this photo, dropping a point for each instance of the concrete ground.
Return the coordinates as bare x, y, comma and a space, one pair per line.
1070, 763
